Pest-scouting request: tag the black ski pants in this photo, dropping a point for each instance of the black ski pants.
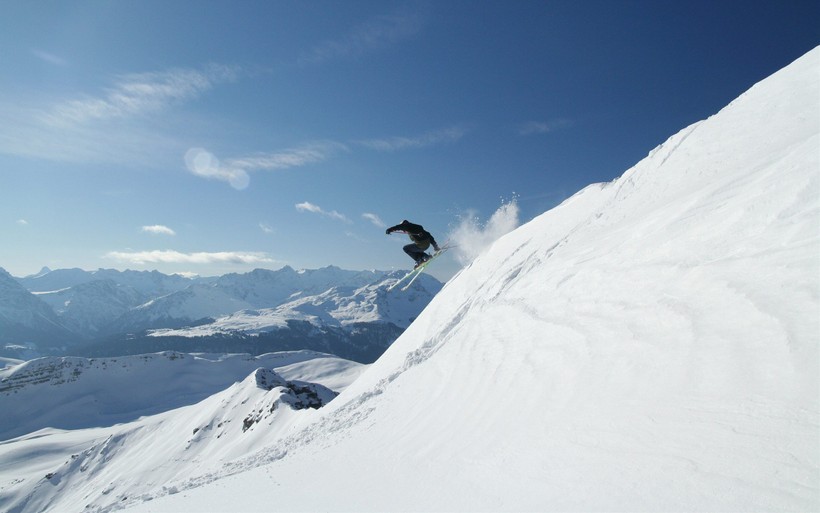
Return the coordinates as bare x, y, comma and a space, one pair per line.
415, 252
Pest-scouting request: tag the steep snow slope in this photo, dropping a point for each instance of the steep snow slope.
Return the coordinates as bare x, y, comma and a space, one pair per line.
25, 319
651, 344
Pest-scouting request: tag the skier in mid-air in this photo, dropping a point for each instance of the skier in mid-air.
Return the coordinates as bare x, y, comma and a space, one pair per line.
422, 239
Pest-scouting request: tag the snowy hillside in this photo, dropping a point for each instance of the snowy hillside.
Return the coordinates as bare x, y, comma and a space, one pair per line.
227, 424
649, 345
72, 393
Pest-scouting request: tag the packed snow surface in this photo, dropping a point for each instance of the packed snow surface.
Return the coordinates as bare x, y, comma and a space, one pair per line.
649, 345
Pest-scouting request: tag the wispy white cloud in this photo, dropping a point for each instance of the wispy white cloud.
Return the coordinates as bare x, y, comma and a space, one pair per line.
49, 57
542, 127
374, 35
187, 274
176, 257
203, 163
158, 229
235, 171
265, 228
431, 138
110, 126
22, 222
309, 153
316, 209
373, 218
139, 94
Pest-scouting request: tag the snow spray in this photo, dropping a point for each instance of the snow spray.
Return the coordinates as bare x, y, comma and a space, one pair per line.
471, 237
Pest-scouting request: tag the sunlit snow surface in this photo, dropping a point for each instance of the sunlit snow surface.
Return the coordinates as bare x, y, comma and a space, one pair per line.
649, 345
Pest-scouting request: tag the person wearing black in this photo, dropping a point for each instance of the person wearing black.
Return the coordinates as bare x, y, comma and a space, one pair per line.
422, 239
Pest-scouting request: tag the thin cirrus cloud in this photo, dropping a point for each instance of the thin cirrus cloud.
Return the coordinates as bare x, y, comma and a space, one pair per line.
158, 229
140, 93
376, 34
109, 126
176, 257
309, 153
306, 206
49, 57
430, 138
235, 171
373, 218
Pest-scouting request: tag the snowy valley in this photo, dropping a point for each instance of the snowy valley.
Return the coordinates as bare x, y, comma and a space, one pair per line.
651, 344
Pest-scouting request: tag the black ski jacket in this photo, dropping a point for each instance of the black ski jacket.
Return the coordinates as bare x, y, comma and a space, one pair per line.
420, 237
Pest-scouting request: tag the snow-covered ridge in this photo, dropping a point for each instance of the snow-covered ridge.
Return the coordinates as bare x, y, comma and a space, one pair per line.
174, 445
72, 393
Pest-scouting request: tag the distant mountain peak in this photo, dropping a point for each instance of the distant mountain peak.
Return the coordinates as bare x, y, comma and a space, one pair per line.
45, 270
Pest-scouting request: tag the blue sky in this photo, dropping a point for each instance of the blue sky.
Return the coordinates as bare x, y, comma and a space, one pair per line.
221, 136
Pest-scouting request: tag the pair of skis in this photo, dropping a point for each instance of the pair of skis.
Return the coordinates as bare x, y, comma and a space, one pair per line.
416, 272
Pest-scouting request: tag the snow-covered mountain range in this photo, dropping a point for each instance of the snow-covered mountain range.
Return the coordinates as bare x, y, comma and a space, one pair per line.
327, 296
70, 306
147, 283
651, 344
